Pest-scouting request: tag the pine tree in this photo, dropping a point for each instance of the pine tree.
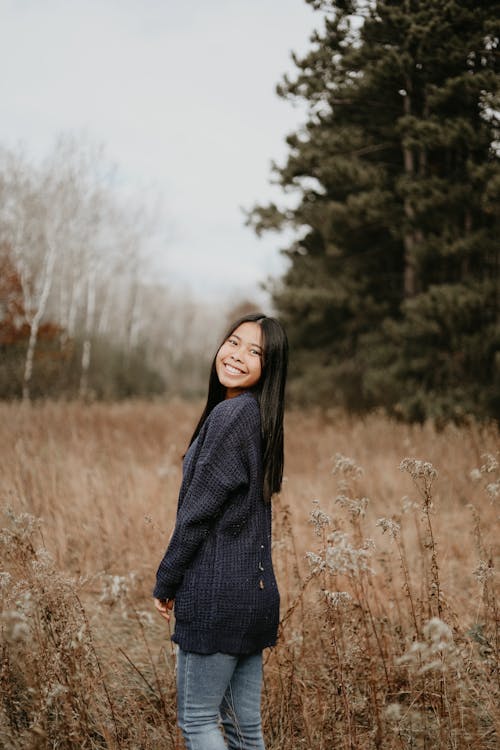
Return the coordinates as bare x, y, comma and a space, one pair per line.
392, 293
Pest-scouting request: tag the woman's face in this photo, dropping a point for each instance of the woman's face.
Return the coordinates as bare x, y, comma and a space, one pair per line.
239, 360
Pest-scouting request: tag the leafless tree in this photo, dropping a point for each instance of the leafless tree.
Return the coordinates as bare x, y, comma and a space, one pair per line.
79, 249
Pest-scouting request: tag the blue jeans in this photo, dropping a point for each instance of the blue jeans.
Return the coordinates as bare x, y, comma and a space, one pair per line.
214, 688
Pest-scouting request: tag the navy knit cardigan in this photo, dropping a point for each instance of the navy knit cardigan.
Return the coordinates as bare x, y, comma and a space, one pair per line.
218, 565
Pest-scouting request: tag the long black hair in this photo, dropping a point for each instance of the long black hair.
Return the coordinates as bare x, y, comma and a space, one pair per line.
270, 392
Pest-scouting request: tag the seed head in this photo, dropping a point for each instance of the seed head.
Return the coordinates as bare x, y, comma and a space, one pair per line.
392, 527
418, 469
346, 467
436, 653
318, 518
338, 599
316, 562
475, 475
438, 632
493, 490
483, 572
356, 507
393, 712
344, 559
490, 463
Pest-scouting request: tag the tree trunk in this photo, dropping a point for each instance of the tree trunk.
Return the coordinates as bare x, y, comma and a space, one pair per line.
133, 316
87, 344
465, 264
36, 320
412, 237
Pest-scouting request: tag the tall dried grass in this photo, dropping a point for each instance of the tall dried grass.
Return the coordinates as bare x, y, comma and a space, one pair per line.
389, 635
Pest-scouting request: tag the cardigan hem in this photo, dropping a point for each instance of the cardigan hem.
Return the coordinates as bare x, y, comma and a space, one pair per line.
212, 641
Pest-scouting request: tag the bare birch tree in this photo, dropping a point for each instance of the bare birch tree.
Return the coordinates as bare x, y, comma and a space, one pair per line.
79, 250
31, 230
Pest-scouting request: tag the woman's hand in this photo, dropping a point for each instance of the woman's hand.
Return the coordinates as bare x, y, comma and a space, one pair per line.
164, 607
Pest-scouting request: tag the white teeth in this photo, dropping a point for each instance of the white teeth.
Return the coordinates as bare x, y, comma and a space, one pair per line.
233, 370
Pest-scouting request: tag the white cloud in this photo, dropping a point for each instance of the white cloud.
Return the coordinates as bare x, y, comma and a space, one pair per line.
182, 94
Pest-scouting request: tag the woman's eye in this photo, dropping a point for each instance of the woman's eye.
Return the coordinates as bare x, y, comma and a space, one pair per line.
255, 351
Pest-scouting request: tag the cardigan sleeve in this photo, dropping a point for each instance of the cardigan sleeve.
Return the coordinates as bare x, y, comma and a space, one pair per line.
220, 469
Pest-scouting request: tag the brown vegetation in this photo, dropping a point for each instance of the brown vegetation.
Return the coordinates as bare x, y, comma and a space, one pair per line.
14, 326
390, 643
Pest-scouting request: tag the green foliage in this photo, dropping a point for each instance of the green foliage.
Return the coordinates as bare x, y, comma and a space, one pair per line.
440, 359
392, 295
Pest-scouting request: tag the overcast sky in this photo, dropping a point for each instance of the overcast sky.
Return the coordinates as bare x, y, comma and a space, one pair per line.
182, 95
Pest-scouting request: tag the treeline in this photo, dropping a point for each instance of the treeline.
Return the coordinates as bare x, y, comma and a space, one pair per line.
78, 315
392, 294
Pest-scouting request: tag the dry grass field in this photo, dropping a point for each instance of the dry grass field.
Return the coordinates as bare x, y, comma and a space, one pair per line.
390, 629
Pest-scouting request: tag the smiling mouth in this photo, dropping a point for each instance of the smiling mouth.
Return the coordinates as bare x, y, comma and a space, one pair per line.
233, 370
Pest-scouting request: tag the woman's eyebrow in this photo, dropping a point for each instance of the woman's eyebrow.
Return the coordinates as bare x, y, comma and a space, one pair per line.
258, 346
235, 336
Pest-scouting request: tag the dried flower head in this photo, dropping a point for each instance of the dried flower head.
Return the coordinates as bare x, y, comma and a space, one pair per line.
23, 524
438, 633
493, 490
436, 653
392, 527
484, 571
356, 507
318, 518
393, 712
475, 475
115, 588
418, 469
338, 599
346, 467
316, 562
489, 467
15, 626
343, 559
490, 463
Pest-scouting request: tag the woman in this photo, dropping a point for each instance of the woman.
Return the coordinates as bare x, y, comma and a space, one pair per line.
218, 565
